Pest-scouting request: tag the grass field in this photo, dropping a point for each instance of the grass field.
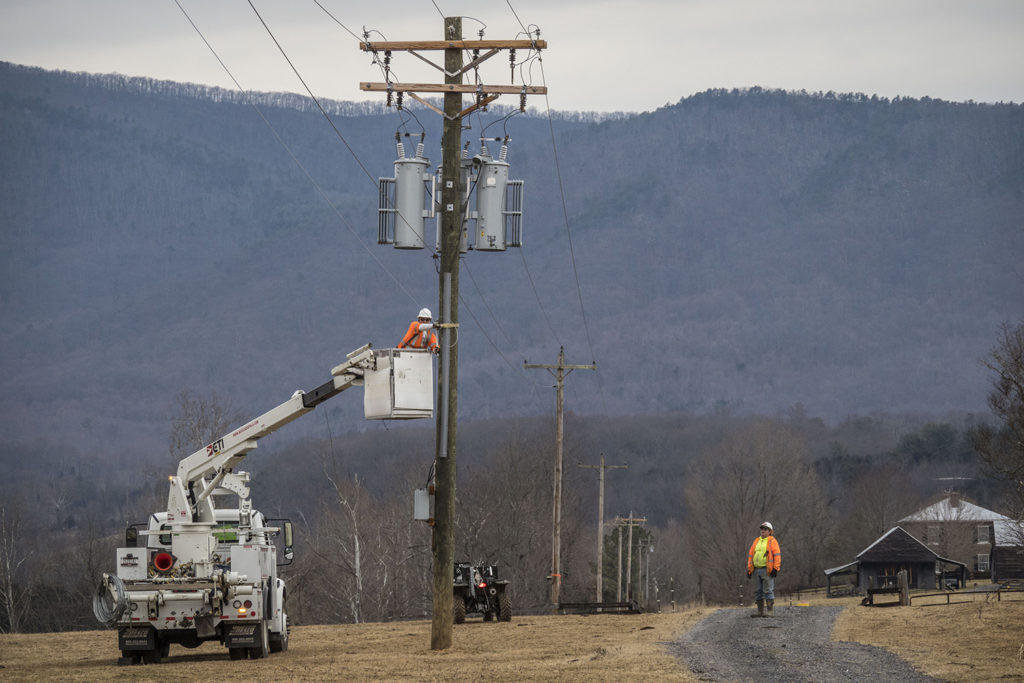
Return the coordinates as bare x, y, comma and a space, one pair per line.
982, 641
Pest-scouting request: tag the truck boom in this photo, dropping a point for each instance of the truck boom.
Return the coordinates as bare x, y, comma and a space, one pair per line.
190, 496
206, 572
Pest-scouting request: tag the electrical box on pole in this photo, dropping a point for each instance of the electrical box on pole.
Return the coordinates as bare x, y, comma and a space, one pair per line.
499, 203
404, 203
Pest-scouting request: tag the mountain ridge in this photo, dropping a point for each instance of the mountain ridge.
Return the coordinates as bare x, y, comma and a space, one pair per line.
747, 249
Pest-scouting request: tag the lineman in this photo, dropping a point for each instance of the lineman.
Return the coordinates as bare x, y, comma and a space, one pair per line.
764, 560
416, 338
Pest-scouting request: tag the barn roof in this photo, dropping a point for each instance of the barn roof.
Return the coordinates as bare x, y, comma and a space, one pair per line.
897, 545
954, 508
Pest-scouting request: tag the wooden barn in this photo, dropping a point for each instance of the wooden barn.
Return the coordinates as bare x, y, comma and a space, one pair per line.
1008, 551
877, 565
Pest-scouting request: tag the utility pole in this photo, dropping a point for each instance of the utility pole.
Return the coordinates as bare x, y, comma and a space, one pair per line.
631, 521
618, 575
559, 373
600, 521
451, 228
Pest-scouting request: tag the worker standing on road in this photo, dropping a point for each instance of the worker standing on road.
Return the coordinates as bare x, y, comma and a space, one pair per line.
416, 338
764, 560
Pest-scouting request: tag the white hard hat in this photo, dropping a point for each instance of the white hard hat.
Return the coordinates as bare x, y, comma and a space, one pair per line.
768, 526
425, 313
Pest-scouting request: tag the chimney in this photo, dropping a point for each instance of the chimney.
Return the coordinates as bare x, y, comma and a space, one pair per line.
954, 499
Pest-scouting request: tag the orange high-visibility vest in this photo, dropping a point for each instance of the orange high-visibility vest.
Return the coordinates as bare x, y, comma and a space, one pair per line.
772, 556
417, 338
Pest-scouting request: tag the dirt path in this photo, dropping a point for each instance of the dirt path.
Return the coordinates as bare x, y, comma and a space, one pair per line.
794, 645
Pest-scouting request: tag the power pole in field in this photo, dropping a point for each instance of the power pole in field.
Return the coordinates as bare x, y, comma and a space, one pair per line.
559, 373
600, 521
630, 522
451, 224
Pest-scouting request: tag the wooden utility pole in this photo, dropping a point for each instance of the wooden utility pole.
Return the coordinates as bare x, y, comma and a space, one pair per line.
600, 521
631, 521
618, 575
559, 373
451, 226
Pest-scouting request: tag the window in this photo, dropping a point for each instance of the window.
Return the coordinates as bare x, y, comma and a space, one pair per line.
981, 563
983, 533
933, 535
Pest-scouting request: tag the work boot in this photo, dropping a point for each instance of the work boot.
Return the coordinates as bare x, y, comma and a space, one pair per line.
770, 611
760, 609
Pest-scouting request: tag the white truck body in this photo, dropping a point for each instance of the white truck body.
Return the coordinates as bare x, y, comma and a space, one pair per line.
200, 572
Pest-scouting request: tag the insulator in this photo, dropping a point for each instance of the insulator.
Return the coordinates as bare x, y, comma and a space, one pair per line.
512, 64
400, 100
504, 153
401, 150
522, 102
419, 150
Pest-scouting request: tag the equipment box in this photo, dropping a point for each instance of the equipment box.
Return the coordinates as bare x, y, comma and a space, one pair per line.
402, 386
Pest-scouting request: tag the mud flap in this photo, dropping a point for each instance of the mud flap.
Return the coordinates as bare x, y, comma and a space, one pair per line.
205, 628
136, 638
243, 635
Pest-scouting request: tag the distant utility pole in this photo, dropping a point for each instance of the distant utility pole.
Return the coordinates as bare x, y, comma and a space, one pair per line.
600, 521
559, 373
451, 227
631, 521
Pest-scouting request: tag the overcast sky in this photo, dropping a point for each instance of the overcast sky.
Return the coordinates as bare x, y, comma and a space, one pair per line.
602, 55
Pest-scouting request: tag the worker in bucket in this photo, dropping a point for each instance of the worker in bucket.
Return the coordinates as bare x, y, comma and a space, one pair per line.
418, 336
763, 563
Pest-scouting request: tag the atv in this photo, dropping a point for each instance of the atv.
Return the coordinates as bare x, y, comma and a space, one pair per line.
478, 590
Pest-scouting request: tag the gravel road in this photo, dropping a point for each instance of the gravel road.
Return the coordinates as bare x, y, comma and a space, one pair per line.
794, 645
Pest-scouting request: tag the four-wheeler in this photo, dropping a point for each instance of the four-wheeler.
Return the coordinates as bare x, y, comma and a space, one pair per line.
478, 590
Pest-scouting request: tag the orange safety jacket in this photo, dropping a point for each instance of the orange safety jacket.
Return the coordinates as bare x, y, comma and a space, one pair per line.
417, 338
772, 556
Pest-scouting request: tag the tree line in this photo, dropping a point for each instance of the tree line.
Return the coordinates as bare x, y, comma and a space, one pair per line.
362, 558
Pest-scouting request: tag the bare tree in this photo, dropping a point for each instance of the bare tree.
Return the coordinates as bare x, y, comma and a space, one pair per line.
879, 499
1002, 447
15, 582
757, 474
198, 421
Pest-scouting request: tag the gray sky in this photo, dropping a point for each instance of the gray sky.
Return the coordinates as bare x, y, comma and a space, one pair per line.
603, 55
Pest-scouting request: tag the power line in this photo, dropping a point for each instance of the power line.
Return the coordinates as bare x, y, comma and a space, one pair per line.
565, 211
312, 96
295, 159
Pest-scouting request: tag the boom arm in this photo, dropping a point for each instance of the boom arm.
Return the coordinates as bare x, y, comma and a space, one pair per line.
211, 467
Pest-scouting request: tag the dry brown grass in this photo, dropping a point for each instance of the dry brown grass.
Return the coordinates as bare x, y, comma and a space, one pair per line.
974, 642
543, 648
979, 641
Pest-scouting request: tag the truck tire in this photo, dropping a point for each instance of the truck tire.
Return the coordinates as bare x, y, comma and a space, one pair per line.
279, 641
504, 606
459, 609
262, 649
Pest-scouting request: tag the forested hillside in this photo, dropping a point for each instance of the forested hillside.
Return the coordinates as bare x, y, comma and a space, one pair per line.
838, 263
752, 249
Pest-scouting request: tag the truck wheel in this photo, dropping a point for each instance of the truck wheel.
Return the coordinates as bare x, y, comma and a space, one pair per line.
459, 610
504, 607
279, 641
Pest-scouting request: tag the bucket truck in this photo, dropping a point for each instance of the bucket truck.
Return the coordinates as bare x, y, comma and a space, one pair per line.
201, 572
